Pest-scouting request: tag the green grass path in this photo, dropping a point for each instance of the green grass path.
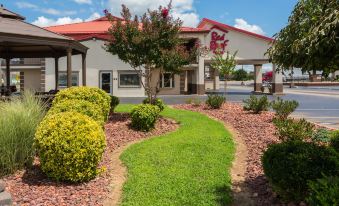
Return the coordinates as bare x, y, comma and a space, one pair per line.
187, 167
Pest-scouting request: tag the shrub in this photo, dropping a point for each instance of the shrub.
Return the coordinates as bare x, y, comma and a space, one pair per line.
70, 146
196, 102
321, 136
115, 101
256, 105
144, 117
293, 130
283, 108
324, 191
157, 102
79, 106
334, 141
215, 101
94, 95
289, 166
19, 119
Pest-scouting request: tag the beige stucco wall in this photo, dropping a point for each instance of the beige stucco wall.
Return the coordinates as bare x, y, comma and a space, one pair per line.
166, 91
97, 60
32, 79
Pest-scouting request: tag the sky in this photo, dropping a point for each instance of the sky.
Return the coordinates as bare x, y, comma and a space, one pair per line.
264, 17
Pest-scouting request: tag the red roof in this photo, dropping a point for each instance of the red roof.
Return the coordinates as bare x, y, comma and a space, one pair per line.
98, 29
228, 27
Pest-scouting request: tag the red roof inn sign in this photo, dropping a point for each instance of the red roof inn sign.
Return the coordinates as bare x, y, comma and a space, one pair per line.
218, 41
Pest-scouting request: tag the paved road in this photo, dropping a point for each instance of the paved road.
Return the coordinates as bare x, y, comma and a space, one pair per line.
317, 105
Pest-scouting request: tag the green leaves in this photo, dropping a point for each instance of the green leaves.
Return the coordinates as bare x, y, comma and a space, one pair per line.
310, 40
226, 65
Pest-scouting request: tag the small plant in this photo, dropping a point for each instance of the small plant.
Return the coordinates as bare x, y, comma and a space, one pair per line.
115, 101
70, 146
157, 102
289, 166
94, 95
79, 106
293, 130
324, 191
215, 101
144, 117
321, 136
283, 108
256, 105
334, 141
196, 102
19, 119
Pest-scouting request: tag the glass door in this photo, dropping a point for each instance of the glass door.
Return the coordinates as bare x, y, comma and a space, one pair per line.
105, 81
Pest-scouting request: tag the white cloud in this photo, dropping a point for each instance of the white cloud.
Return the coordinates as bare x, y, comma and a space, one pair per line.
44, 22
26, 5
57, 12
95, 15
242, 24
83, 1
182, 9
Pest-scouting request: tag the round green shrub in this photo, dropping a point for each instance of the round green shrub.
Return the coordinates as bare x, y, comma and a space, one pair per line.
334, 141
289, 166
94, 95
70, 146
215, 101
157, 102
80, 106
144, 117
324, 191
115, 101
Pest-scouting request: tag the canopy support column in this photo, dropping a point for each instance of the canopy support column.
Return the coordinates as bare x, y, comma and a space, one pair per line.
8, 73
69, 67
277, 84
56, 64
257, 77
83, 69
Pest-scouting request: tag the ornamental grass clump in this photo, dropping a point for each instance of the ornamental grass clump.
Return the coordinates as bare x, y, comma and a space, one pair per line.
144, 117
70, 146
18, 121
215, 101
79, 106
93, 95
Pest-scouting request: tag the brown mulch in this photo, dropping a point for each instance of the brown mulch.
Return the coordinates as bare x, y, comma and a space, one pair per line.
257, 132
32, 187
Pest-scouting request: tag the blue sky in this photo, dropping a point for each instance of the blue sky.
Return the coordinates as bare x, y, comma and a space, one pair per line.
261, 16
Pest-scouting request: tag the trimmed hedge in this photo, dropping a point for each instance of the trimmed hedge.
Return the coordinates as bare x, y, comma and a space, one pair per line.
80, 106
324, 191
289, 166
70, 146
115, 101
334, 141
93, 95
144, 117
157, 102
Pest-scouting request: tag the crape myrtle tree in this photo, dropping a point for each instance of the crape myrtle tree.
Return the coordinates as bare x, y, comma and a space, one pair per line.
311, 39
148, 43
225, 64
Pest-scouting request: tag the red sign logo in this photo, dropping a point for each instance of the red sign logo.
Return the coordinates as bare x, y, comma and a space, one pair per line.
218, 43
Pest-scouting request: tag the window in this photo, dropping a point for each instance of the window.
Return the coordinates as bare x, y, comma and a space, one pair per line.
167, 80
63, 79
129, 79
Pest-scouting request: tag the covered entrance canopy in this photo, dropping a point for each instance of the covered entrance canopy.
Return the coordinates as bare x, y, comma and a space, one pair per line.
19, 39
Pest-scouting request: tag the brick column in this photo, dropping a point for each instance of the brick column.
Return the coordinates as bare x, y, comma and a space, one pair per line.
22, 81
257, 77
43, 75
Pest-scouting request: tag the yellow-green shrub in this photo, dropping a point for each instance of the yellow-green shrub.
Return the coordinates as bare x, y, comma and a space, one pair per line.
70, 146
80, 106
94, 95
144, 117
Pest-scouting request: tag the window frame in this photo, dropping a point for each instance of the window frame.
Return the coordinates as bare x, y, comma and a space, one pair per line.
65, 72
162, 81
129, 86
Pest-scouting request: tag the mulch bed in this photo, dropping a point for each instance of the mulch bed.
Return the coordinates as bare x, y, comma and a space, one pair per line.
32, 187
258, 132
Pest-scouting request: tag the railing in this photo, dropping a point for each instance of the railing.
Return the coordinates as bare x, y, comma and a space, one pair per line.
23, 61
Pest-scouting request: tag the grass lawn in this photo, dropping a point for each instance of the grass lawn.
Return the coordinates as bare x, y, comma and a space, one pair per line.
187, 167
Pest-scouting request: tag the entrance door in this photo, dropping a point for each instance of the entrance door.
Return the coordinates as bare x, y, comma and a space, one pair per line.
105, 81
